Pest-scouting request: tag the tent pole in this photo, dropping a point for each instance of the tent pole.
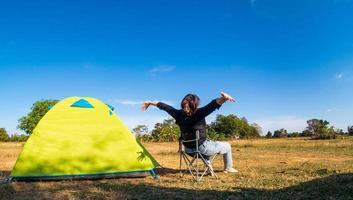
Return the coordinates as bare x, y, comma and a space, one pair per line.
154, 174
7, 181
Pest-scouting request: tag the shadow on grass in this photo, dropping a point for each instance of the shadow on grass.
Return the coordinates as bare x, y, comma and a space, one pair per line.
165, 171
4, 174
338, 186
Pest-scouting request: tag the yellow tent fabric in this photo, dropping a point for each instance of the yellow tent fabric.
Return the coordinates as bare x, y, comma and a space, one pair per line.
87, 141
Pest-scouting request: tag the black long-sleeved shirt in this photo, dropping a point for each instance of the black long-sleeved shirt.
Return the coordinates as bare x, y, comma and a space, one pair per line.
190, 124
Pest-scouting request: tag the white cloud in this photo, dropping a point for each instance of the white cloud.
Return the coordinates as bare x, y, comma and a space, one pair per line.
161, 69
290, 123
127, 102
330, 110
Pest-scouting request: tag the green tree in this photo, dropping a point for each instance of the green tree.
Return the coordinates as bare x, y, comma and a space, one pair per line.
281, 133
167, 131
214, 135
140, 130
294, 134
305, 133
18, 138
269, 134
232, 126
228, 125
244, 120
4, 137
257, 127
340, 132
38, 110
317, 127
320, 129
350, 130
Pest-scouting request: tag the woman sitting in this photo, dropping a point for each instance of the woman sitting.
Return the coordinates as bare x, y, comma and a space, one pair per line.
191, 118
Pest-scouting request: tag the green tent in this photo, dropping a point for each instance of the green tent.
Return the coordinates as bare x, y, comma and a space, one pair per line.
81, 137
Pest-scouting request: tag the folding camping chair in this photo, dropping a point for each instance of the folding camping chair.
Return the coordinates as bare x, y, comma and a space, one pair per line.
193, 164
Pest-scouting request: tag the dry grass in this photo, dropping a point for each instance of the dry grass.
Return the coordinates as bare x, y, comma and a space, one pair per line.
269, 169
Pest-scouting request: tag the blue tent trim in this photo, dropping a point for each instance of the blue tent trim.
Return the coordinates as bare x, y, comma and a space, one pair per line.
82, 103
110, 107
133, 173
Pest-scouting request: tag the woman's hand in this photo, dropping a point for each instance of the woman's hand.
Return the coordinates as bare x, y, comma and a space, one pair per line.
227, 97
147, 104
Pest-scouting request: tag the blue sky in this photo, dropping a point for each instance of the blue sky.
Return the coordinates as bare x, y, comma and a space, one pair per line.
285, 61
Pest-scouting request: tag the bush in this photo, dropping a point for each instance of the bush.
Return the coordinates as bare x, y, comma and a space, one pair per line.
4, 137
167, 131
305, 133
18, 138
213, 135
146, 138
294, 134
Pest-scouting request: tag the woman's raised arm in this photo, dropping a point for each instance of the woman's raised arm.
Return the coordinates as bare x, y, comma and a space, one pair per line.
163, 106
224, 97
213, 105
147, 104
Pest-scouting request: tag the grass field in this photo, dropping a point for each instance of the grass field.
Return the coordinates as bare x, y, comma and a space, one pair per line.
269, 169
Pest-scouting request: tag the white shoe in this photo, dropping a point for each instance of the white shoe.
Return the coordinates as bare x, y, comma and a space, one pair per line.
231, 170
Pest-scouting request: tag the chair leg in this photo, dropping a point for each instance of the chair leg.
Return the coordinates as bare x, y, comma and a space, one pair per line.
215, 175
180, 164
189, 165
193, 166
197, 167
208, 165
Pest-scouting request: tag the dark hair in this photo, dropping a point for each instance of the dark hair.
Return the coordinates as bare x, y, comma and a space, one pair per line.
190, 103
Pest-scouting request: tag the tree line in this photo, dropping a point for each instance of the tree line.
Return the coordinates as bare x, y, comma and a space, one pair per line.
316, 129
5, 137
225, 127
